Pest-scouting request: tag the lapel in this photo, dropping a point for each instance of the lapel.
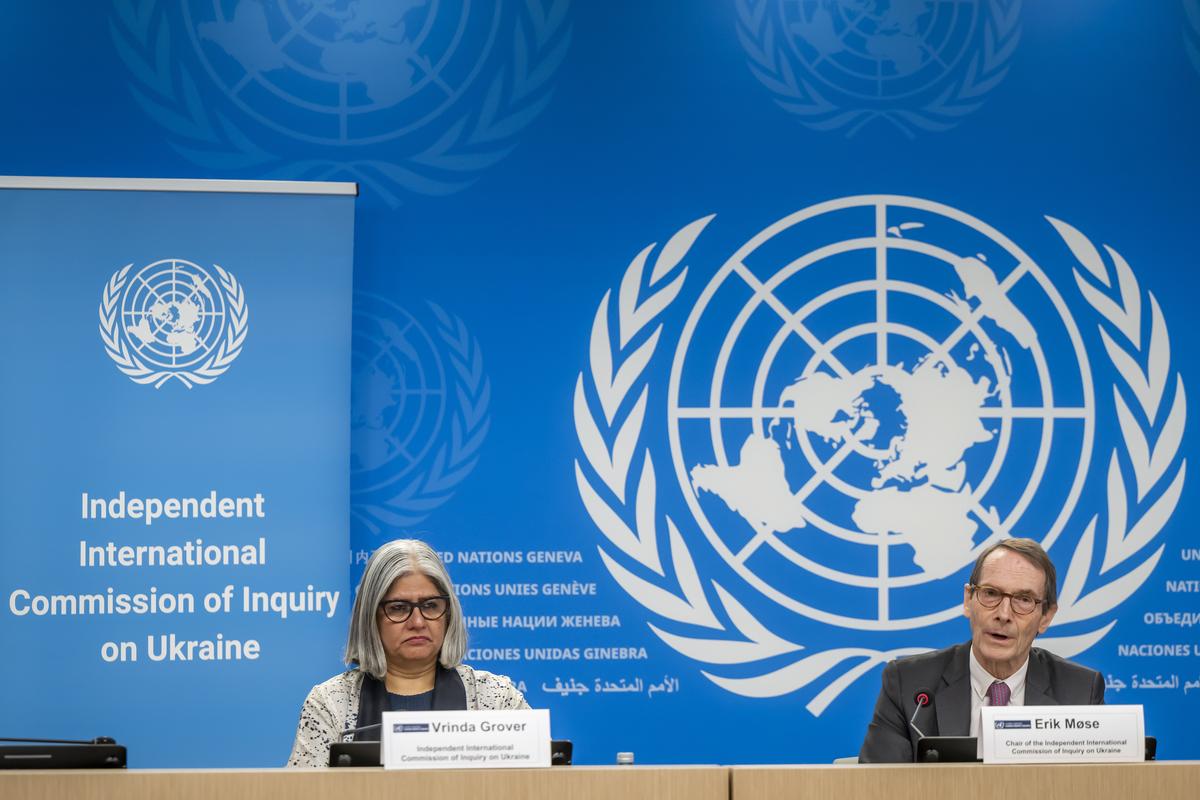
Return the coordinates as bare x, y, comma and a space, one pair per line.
372, 702
952, 698
449, 693
1037, 681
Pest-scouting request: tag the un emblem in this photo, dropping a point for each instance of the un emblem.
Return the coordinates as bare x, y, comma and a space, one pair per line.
418, 411
173, 320
843, 64
413, 95
865, 395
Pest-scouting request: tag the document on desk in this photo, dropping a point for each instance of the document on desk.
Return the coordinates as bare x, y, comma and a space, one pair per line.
466, 739
1025, 734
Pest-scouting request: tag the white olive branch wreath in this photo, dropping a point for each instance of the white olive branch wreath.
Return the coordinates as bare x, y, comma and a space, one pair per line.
617, 488
114, 345
458, 455
1191, 31
228, 348
1143, 363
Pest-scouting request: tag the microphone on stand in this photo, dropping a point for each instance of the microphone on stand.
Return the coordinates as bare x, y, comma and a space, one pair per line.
922, 698
356, 731
97, 740
358, 753
32, 753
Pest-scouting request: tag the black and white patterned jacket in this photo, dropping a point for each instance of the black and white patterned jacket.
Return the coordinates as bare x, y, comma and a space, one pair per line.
331, 708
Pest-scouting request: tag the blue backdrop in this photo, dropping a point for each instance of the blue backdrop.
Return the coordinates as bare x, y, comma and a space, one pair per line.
168, 544
710, 340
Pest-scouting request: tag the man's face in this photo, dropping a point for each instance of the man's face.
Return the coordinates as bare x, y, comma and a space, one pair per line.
1000, 637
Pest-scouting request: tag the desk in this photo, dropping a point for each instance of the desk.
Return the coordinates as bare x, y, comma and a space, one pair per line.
1150, 781
557, 783
1144, 781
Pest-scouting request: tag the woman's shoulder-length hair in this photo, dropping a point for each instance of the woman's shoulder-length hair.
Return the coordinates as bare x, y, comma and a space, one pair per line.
390, 561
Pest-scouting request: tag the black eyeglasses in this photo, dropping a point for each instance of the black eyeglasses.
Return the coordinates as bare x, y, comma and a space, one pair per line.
990, 597
431, 608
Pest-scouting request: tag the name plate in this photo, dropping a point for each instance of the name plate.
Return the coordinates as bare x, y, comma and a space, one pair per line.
1024, 734
466, 739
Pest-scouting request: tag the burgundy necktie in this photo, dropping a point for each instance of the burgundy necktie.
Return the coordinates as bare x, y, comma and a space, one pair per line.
998, 694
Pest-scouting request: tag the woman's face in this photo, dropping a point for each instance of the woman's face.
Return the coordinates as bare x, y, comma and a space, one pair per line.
412, 645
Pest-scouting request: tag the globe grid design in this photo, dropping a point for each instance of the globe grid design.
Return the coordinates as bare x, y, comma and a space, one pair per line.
875, 50
173, 314
917, 65
322, 79
419, 411
399, 398
1075, 420
647, 544
403, 96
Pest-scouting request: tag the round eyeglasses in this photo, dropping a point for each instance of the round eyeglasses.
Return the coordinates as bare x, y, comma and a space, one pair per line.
431, 608
990, 597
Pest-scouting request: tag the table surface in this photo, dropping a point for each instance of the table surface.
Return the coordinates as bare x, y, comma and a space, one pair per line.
1141, 781
1150, 780
565, 783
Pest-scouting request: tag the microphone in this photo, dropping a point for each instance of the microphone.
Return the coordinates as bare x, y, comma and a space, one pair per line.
97, 740
922, 697
356, 731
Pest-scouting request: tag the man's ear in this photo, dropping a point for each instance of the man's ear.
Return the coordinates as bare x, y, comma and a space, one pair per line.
1046, 617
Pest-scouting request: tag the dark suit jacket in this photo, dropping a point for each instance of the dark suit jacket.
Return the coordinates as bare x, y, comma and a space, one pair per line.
1050, 681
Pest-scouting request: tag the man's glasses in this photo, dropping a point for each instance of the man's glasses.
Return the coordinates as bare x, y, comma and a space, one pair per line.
431, 608
990, 597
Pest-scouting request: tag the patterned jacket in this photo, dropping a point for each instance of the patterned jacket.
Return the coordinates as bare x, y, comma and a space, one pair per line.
332, 707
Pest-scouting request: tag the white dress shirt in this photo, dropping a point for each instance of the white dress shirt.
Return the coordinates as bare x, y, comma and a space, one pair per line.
981, 679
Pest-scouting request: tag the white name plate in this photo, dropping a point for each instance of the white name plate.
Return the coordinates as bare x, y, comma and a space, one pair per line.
1024, 734
466, 739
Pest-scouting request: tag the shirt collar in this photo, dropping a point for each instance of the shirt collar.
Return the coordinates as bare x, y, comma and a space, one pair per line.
981, 679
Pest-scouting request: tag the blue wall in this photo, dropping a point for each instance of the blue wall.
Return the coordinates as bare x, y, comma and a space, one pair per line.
516, 157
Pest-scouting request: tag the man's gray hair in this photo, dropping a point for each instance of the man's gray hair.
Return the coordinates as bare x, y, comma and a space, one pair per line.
389, 562
1033, 552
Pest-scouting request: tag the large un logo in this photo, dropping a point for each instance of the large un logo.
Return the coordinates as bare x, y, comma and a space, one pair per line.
418, 411
915, 64
884, 390
413, 94
173, 319
861, 398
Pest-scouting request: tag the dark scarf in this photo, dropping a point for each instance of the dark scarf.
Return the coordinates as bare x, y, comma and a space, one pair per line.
449, 694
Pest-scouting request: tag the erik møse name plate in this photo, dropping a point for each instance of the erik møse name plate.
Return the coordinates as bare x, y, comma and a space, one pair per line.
1022, 734
464, 739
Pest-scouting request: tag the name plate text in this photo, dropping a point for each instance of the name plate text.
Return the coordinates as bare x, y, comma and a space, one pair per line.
1025, 734
466, 739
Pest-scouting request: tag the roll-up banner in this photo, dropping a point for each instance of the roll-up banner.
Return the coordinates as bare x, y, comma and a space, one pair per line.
174, 453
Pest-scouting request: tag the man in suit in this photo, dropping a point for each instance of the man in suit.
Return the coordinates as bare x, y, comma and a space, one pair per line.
1010, 599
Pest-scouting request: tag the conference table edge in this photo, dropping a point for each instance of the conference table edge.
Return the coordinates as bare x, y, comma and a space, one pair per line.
1092, 781
682, 782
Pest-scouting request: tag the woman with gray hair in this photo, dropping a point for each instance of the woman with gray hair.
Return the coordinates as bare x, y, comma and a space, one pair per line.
405, 648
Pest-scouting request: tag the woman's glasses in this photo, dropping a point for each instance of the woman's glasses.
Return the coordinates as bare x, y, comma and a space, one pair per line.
431, 608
